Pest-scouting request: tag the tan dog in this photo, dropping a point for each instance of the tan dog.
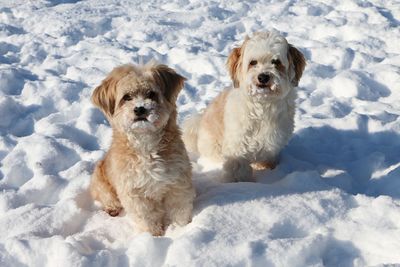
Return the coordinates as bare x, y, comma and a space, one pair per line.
247, 126
146, 170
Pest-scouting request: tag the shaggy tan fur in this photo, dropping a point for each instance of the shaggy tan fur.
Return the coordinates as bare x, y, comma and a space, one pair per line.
146, 171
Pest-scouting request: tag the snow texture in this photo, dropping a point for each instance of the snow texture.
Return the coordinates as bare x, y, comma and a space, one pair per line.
334, 199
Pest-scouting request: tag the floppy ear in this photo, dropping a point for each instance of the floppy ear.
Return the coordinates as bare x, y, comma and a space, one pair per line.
234, 64
104, 95
297, 63
171, 82
104, 98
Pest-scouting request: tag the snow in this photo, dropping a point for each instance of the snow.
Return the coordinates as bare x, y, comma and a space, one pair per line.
332, 201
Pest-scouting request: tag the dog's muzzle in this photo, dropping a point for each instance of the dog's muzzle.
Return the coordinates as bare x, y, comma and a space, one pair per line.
141, 113
264, 78
263, 85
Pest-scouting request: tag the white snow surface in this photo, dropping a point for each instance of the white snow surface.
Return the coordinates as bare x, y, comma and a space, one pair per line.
334, 199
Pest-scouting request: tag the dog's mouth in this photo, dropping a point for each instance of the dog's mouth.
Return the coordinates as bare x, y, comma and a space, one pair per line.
142, 124
264, 89
140, 119
262, 85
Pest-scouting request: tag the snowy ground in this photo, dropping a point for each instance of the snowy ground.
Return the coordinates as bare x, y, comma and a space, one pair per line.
334, 200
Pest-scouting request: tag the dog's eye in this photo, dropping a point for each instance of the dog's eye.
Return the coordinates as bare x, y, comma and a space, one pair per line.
276, 62
127, 97
151, 95
253, 62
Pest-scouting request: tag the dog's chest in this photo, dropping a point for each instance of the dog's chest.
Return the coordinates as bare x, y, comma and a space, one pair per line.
263, 137
259, 134
151, 174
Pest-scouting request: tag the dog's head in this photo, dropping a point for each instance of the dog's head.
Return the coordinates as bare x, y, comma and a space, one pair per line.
266, 66
139, 98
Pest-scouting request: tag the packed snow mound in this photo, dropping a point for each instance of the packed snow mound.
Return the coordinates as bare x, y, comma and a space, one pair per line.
333, 200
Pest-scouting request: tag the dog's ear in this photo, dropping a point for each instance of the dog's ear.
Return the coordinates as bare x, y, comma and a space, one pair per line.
234, 65
297, 64
171, 82
104, 95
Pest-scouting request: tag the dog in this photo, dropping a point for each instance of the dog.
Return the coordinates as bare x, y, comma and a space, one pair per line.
246, 127
146, 170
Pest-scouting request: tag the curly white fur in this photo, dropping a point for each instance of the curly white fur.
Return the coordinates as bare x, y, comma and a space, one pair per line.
249, 125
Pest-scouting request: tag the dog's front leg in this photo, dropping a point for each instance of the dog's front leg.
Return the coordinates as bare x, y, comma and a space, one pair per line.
178, 203
147, 213
237, 169
101, 190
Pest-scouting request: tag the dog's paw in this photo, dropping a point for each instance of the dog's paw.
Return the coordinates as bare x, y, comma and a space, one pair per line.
113, 212
263, 165
182, 220
179, 216
156, 229
237, 171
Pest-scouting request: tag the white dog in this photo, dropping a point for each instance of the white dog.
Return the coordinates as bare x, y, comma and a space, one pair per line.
146, 171
247, 126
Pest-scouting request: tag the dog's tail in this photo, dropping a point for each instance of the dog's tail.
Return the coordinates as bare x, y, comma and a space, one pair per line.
190, 132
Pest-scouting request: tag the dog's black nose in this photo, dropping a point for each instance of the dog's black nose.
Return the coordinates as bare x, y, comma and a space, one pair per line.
264, 77
139, 111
